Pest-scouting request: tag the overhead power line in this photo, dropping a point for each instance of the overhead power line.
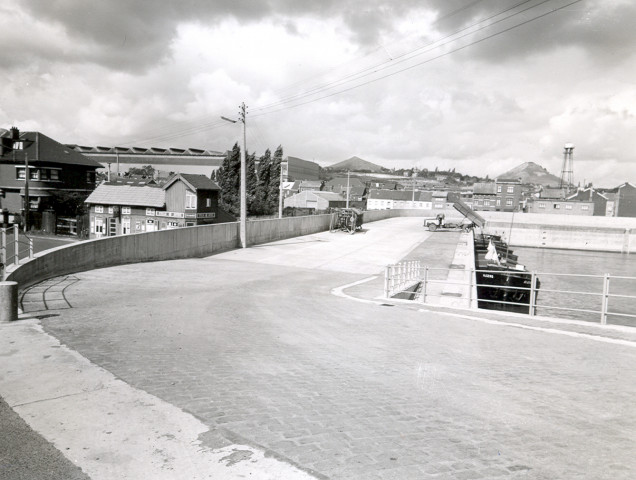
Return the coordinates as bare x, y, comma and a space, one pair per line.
313, 95
410, 67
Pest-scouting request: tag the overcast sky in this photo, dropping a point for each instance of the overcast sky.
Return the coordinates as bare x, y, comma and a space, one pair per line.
476, 85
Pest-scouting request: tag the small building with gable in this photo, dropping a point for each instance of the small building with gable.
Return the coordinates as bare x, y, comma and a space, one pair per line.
120, 209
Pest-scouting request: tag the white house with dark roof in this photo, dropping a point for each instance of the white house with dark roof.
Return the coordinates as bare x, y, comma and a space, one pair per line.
380, 199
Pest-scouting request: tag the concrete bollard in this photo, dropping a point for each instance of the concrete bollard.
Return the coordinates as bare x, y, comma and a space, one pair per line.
8, 301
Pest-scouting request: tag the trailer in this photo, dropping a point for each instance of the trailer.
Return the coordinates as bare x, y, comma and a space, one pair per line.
346, 219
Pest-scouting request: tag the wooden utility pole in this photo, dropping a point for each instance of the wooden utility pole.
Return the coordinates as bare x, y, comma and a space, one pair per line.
27, 201
280, 192
243, 226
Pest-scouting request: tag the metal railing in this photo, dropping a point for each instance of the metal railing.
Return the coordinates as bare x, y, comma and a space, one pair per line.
18, 242
400, 277
407, 275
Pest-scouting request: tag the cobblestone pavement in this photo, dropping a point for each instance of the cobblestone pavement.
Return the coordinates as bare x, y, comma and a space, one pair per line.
262, 352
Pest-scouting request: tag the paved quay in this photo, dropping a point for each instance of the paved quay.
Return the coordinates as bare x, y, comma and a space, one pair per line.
280, 361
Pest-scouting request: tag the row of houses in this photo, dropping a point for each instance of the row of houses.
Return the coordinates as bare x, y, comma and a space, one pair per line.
186, 200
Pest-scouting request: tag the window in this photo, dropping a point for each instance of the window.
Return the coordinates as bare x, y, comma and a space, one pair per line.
90, 177
111, 210
99, 208
508, 202
499, 202
511, 189
18, 145
568, 207
191, 200
208, 202
585, 207
19, 173
54, 174
557, 206
486, 203
34, 174
498, 188
125, 210
150, 212
541, 205
99, 225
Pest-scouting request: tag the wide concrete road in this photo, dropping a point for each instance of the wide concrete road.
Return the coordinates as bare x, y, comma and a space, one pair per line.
254, 345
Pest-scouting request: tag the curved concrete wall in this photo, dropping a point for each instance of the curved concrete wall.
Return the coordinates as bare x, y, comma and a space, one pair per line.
111, 251
171, 244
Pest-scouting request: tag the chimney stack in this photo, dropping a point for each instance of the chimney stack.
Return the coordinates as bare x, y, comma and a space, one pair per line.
15, 133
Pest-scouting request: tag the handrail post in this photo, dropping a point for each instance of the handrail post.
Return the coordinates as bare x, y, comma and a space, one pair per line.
16, 245
605, 302
533, 292
425, 284
471, 274
3, 253
30, 247
386, 281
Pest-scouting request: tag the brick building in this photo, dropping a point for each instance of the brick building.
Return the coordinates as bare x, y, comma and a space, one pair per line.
53, 168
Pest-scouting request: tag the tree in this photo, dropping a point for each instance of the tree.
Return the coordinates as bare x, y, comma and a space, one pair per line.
145, 171
67, 204
261, 192
274, 181
229, 178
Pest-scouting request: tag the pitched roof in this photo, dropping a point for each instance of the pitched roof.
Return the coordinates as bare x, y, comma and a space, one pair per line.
330, 196
311, 183
43, 149
194, 181
128, 195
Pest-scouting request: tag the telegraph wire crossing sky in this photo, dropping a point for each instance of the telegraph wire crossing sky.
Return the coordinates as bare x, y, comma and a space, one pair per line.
479, 85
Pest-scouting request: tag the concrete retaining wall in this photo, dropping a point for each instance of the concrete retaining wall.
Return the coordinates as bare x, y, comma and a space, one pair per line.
607, 234
111, 251
171, 244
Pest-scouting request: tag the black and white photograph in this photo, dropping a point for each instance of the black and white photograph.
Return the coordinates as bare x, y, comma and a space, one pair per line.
297, 240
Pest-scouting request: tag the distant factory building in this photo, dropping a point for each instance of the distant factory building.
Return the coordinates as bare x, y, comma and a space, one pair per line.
299, 169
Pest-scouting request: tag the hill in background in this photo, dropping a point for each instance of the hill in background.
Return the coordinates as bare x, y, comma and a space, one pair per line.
530, 172
356, 164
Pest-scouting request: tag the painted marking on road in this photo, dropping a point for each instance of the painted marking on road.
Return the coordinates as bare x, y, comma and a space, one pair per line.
596, 338
339, 291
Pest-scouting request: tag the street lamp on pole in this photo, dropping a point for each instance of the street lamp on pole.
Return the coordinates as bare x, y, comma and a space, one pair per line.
243, 226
